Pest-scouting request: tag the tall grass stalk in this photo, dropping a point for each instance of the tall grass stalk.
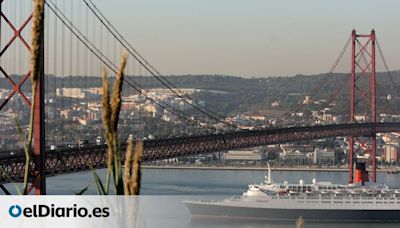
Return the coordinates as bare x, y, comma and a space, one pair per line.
132, 175
127, 183
137, 174
111, 112
299, 222
128, 165
107, 127
35, 58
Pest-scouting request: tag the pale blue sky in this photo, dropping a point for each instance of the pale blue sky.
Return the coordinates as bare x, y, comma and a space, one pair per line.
253, 37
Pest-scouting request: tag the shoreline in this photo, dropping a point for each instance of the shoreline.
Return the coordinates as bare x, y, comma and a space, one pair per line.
304, 169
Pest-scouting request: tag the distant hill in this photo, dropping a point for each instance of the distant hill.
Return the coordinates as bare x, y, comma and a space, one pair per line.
250, 94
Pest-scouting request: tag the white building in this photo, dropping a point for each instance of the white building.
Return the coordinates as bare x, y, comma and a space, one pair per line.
391, 152
323, 156
243, 155
70, 92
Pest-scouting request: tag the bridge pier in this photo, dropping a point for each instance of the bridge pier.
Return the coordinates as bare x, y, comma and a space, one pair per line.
359, 95
39, 182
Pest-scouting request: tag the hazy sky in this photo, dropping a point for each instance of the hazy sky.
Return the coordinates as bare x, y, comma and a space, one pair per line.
251, 37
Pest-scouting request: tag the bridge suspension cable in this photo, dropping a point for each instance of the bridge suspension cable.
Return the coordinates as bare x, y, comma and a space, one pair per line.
335, 95
322, 82
393, 84
387, 71
109, 64
385, 64
153, 71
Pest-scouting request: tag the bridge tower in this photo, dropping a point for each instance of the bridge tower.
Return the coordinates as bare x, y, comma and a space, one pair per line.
362, 100
37, 175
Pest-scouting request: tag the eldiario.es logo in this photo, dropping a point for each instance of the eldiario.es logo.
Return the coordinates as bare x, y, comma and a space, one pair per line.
41, 210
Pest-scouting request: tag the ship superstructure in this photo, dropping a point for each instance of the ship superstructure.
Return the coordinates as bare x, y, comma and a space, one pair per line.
315, 201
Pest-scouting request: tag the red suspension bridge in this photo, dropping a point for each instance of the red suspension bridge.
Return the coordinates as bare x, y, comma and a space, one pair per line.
79, 40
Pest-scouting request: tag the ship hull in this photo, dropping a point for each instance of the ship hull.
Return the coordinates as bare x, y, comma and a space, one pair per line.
204, 209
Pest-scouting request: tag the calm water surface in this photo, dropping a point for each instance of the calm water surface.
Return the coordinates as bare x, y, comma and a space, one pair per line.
189, 183
204, 182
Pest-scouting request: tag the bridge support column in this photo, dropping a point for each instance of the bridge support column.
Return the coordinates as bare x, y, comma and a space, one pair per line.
362, 100
16, 35
351, 160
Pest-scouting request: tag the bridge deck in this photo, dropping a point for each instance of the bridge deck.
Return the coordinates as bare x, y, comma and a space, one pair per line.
92, 157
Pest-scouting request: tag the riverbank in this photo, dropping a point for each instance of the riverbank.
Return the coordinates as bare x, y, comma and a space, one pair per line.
311, 169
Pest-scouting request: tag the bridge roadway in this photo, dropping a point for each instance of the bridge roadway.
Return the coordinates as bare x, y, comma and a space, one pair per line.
72, 160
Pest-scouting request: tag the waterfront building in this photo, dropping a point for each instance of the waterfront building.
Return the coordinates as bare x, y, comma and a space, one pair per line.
391, 151
244, 156
324, 157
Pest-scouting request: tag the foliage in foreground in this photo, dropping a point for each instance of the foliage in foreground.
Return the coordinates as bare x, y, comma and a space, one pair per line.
127, 182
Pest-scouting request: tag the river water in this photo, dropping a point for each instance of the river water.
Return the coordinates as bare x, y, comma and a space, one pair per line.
181, 183
204, 182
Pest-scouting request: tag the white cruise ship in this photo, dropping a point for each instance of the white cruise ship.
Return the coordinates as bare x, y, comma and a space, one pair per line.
315, 201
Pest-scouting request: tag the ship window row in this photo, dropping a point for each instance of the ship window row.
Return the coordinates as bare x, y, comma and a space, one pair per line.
309, 187
299, 188
342, 200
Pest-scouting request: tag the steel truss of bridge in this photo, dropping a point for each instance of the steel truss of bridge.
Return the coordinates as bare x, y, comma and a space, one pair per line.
93, 157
